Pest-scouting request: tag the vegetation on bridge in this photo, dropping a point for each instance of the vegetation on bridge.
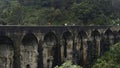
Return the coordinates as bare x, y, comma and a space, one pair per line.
68, 64
59, 12
111, 59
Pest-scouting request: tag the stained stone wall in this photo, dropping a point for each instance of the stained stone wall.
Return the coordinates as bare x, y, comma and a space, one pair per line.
29, 51
48, 46
67, 46
6, 53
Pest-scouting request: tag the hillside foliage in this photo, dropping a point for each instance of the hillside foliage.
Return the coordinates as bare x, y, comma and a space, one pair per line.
110, 59
59, 12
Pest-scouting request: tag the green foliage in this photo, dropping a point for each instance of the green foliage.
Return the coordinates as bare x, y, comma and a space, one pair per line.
83, 12
68, 64
58, 12
12, 15
111, 59
92, 12
116, 21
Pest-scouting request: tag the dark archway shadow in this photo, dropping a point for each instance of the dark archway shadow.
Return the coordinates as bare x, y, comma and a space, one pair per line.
81, 36
67, 36
51, 41
30, 48
95, 47
106, 40
7, 48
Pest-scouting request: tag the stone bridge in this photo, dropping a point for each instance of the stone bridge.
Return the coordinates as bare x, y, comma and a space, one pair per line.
48, 46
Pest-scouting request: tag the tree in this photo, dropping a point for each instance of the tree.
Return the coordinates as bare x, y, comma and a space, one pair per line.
68, 64
84, 12
110, 59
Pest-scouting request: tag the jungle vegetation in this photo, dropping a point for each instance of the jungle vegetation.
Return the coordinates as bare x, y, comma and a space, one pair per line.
59, 12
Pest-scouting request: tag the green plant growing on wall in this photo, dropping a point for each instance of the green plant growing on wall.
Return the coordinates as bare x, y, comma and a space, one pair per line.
68, 64
110, 59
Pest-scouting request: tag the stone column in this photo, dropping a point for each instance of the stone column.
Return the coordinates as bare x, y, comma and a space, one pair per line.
62, 50
48, 56
77, 51
66, 50
85, 47
45, 55
69, 50
98, 45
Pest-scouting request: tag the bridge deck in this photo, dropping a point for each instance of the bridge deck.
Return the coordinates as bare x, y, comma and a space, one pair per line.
49, 28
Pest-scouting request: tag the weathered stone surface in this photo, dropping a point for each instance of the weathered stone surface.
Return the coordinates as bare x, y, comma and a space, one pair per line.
19, 46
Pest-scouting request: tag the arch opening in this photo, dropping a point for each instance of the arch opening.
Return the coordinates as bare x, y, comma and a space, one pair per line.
29, 51
67, 45
50, 39
96, 45
108, 32
109, 37
82, 35
30, 39
80, 47
95, 34
108, 40
5, 40
67, 35
6, 52
50, 50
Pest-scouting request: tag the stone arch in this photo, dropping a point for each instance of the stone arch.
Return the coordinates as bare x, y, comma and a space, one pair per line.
67, 46
108, 40
81, 35
67, 35
82, 48
50, 50
95, 33
96, 45
96, 40
50, 39
29, 38
109, 36
6, 52
29, 51
108, 32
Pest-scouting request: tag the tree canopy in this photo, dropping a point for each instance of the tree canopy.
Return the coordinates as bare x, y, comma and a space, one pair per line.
110, 59
59, 12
